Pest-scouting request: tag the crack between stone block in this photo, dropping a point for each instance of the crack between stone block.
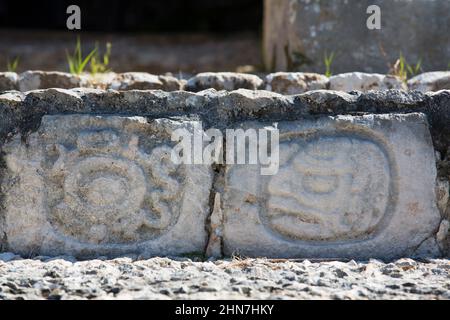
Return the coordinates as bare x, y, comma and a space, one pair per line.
431, 236
3, 235
213, 227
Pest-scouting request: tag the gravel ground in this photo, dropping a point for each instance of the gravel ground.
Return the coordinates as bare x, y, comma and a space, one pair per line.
182, 278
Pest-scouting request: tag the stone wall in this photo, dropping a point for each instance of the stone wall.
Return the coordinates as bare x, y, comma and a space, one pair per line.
86, 172
298, 33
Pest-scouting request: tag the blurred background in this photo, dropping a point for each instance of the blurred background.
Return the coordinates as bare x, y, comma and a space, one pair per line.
187, 37
155, 36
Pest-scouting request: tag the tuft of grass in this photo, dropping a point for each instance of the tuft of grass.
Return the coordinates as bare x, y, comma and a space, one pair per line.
100, 64
328, 61
403, 70
415, 69
76, 62
12, 65
399, 68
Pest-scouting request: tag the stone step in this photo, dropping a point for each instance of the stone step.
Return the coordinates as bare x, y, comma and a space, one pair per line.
91, 173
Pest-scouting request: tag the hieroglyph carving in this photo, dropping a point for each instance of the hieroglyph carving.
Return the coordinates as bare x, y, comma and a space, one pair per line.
328, 188
100, 180
347, 187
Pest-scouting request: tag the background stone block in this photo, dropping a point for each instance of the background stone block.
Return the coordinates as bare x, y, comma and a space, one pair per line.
430, 81
299, 33
90, 185
358, 81
295, 82
348, 187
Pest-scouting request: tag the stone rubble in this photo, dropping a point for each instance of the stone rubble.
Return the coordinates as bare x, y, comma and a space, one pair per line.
238, 278
223, 81
430, 81
8, 81
358, 81
286, 83
144, 81
33, 80
291, 83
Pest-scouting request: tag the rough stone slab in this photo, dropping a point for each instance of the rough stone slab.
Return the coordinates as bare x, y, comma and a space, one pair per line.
33, 80
430, 81
144, 81
8, 81
87, 185
354, 187
223, 81
359, 81
295, 82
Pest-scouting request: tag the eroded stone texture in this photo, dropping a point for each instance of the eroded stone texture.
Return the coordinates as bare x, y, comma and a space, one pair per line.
295, 82
102, 185
347, 187
8, 81
442, 193
33, 80
359, 81
144, 81
430, 81
223, 81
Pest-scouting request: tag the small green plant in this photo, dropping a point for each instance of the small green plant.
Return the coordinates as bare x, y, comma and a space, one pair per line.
100, 64
403, 70
76, 61
328, 61
415, 69
399, 68
12, 65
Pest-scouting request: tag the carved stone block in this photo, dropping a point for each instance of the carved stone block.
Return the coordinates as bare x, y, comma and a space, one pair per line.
103, 185
347, 187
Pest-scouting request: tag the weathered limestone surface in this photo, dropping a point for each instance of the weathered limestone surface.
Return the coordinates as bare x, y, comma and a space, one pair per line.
57, 133
298, 33
286, 83
33, 80
144, 81
181, 278
8, 81
223, 81
295, 82
430, 81
344, 189
102, 185
365, 81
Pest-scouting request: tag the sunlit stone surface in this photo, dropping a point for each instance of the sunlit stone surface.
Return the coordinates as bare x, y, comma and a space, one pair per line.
347, 187
92, 185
